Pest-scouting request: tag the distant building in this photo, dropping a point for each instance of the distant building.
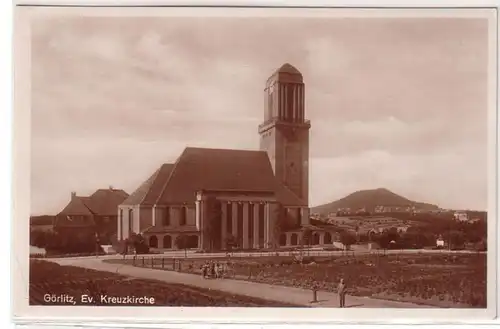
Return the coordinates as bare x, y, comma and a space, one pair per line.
461, 216
439, 242
92, 214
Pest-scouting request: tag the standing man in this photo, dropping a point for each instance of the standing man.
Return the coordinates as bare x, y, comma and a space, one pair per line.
341, 291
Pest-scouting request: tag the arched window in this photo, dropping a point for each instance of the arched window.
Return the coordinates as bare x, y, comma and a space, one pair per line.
153, 241
282, 239
328, 238
167, 242
315, 239
294, 239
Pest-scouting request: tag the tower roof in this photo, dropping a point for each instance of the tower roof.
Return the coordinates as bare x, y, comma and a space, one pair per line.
288, 68
286, 73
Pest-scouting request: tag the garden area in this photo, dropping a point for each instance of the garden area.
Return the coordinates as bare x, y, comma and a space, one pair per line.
436, 279
51, 278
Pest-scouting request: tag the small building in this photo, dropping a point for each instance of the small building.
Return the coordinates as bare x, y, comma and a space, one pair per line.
461, 216
85, 215
440, 242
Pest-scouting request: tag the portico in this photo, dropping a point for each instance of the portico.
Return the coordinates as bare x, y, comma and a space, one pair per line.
246, 216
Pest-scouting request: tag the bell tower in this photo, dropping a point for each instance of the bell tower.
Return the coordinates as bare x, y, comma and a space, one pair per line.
284, 134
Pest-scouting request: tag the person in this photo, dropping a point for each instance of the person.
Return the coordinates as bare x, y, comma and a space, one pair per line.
212, 269
216, 270
221, 270
342, 291
204, 269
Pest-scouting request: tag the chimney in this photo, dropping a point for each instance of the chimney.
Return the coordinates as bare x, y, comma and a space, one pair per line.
73, 195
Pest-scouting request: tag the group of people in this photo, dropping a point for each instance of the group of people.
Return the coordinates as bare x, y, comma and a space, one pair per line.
213, 269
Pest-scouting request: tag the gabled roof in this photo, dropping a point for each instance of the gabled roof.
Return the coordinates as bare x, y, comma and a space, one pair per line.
104, 202
148, 192
217, 169
211, 169
78, 206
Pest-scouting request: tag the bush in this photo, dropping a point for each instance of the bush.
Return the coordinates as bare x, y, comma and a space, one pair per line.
138, 242
69, 243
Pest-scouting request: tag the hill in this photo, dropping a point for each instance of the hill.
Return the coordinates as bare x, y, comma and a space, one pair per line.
369, 199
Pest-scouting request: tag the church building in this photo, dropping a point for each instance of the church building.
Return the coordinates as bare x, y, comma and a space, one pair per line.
223, 198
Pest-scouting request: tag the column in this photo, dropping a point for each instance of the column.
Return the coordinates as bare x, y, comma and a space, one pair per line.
153, 215
322, 238
160, 241
282, 101
245, 226
288, 242
295, 103
119, 235
255, 219
224, 224
267, 229
198, 214
234, 208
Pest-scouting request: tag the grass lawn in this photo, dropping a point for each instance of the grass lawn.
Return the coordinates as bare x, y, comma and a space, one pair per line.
47, 278
443, 280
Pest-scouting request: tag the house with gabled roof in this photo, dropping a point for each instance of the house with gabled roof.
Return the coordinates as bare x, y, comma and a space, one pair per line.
92, 214
258, 197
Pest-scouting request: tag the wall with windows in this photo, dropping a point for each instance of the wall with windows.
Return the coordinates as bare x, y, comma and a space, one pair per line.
128, 221
175, 216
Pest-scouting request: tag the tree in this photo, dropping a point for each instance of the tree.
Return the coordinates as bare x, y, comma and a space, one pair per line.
356, 229
231, 242
182, 242
347, 239
456, 239
306, 238
138, 242
383, 240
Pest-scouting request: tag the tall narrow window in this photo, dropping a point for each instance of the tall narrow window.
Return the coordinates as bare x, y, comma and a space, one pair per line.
166, 217
250, 223
229, 213
182, 217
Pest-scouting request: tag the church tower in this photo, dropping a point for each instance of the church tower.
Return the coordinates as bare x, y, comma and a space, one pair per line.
285, 131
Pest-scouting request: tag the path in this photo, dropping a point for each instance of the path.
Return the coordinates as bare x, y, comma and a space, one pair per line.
296, 296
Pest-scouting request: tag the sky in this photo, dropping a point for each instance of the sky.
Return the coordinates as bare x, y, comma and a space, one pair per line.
398, 103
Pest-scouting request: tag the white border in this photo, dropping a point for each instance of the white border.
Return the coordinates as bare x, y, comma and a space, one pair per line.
21, 162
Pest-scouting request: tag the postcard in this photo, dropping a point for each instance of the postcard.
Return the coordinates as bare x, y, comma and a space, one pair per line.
254, 165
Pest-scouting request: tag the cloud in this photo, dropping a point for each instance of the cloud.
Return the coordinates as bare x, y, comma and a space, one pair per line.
392, 102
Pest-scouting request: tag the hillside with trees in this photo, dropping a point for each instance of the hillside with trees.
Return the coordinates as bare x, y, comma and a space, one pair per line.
369, 199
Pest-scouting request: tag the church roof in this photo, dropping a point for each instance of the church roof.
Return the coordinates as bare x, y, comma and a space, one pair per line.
211, 169
217, 169
147, 193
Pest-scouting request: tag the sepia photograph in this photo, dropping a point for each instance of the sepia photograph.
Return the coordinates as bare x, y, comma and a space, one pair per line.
256, 158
